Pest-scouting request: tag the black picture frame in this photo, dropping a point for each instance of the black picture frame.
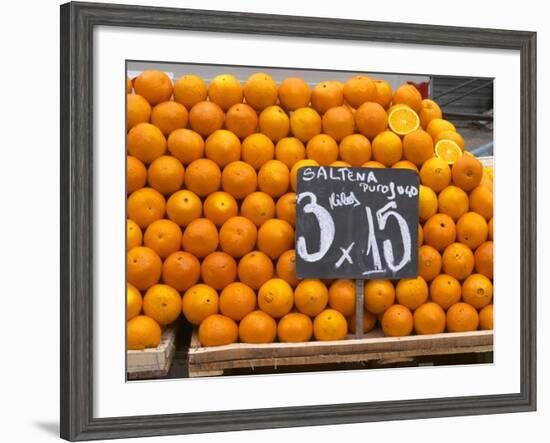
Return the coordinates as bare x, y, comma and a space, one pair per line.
77, 23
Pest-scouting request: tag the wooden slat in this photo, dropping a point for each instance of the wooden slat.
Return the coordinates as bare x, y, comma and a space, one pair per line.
371, 343
152, 362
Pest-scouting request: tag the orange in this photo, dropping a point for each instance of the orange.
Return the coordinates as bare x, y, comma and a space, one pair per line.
166, 174
205, 118
477, 290
154, 86
369, 322
397, 321
255, 268
225, 90
239, 179
445, 290
218, 330
435, 173
486, 318
242, 120
418, 147
429, 262
273, 178
429, 319
405, 164
403, 120
371, 119
338, 122
138, 110
373, 164
199, 302
218, 270
483, 259
411, 292
222, 147
294, 93
440, 231
189, 90
355, 149
294, 171
129, 85
326, 95
481, 201
238, 236
448, 151
257, 149
274, 123
428, 111
136, 174
186, 145
146, 142
452, 136
384, 93
289, 150
490, 226
258, 207
360, 89
453, 201
237, 300
143, 332
420, 235
305, 123
486, 181
163, 237
439, 125
257, 327
286, 267
458, 261
311, 297
162, 303
461, 317
275, 237
275, 297
427, 202
169, 116
183, 207
295, 327
134, 236
286, 208
408, 95
379, 295
200, 237
203, 176
181, 270
323, 149
387, 148
330, 325
133, 302
260, 91
471, 229
341, 296
145, 206
467, 172
219, 207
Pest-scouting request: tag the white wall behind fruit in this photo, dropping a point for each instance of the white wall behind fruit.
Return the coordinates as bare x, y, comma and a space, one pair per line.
29, 227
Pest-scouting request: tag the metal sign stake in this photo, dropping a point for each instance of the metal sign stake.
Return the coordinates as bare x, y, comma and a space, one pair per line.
359, 308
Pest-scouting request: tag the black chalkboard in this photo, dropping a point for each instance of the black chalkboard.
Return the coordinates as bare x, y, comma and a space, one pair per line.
357, 223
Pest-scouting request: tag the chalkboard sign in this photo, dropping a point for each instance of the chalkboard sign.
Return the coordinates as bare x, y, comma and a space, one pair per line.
357, 223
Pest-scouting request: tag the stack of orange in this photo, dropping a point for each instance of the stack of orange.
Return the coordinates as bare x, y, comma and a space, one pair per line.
212, 208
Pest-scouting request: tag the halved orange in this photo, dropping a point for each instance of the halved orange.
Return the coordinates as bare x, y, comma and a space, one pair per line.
403, 120
448, 150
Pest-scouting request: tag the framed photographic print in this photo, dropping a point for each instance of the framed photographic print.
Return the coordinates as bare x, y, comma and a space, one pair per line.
255, 206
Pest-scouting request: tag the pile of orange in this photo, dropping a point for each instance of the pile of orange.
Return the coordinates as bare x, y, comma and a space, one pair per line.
212, 207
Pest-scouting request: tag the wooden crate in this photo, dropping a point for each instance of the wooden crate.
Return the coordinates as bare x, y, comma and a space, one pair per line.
373, 346
152, 362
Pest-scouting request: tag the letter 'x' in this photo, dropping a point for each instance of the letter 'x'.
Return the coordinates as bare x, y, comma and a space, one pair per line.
345, 256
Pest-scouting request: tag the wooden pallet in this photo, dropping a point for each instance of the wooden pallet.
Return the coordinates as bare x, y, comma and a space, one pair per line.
373, 346
152, 362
